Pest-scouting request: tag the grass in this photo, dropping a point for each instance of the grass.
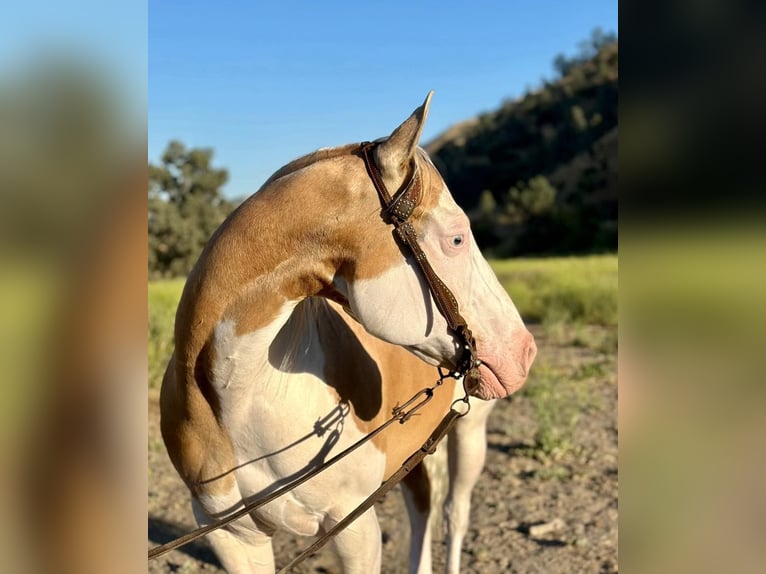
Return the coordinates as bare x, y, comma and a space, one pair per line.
163, 300
562, 290
551, 394
560, 397
575, 299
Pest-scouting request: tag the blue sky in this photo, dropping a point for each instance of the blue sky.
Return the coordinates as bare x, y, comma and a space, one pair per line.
265, 82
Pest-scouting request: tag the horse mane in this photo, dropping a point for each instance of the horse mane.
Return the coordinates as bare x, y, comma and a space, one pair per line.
323, 154
313, 157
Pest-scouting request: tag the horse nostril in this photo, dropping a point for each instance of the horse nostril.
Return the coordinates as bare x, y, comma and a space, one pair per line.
528, 356
531, 352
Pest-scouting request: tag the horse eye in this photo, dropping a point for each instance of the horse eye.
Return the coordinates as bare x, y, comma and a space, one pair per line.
457, 241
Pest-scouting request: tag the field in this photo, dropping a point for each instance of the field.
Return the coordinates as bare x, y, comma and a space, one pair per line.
552, 457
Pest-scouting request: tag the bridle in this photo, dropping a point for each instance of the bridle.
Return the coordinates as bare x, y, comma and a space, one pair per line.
397, 211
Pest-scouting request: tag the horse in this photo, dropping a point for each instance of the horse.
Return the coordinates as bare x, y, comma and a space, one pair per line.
299, 329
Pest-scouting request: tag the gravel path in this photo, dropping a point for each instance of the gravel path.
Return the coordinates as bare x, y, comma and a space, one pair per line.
553, 512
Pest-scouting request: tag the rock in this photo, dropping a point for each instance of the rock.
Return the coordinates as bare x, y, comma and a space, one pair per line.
482, 555
542, 529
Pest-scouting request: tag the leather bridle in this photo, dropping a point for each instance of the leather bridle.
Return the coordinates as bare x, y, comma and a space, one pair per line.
397, 211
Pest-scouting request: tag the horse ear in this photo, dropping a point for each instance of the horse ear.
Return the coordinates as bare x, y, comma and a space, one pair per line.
394, 154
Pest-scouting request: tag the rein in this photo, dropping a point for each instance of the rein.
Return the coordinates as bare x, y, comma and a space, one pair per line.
400, 413
397, 211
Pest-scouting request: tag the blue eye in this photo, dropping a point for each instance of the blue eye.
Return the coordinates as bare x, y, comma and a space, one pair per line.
457, 241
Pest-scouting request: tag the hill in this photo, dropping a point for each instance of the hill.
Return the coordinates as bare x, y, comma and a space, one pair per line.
539, 174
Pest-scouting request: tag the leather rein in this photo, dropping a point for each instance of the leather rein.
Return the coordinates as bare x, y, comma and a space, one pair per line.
397, 211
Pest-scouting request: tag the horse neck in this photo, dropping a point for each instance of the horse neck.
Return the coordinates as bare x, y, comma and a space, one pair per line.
277, 249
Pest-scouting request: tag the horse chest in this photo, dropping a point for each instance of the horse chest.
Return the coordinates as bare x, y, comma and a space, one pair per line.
284, 424
274, 446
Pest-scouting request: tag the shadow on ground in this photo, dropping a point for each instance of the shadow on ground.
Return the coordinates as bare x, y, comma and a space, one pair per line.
161, 532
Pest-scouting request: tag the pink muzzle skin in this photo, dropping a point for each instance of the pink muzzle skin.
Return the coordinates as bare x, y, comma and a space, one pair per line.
502, 375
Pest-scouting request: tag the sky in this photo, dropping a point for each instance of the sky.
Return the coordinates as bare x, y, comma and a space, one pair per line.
265, 82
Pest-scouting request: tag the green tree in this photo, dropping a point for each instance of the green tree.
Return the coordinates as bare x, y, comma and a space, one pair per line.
534, 197
487, 204
185, 208
579, 121
484, 220
587, 49
563, 65
598, 39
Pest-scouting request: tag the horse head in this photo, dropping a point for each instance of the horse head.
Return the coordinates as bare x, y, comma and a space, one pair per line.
384, 289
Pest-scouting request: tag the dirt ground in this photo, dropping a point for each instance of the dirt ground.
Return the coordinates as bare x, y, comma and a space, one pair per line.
522, 486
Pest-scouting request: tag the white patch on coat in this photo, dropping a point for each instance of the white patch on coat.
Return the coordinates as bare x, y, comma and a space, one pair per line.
397, 306
283, 423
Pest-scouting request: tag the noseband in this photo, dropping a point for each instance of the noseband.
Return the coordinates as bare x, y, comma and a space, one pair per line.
397, 211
